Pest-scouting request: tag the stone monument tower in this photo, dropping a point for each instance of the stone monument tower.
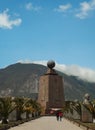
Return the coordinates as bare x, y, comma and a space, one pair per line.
51, 90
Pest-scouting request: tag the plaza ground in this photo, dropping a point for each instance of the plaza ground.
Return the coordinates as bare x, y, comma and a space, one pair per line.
47, 123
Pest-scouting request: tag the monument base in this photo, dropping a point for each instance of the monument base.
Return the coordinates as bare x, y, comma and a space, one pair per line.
86, 115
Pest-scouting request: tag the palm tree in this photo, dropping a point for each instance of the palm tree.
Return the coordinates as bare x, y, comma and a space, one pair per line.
19, 103
66, 107
77, 106
33, 106
6, 107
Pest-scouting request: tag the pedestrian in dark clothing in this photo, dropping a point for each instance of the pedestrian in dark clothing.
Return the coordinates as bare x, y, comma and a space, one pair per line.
60, 116
57, 116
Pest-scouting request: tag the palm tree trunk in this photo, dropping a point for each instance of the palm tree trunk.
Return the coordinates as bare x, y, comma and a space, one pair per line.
4, 120
18, 115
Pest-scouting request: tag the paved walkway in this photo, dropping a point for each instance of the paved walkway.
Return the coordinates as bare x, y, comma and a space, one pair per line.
47, 123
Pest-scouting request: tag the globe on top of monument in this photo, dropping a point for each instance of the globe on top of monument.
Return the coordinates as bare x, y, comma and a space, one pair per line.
51, 64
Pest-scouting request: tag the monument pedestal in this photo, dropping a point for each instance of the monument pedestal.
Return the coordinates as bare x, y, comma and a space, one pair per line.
86, 115
51, 92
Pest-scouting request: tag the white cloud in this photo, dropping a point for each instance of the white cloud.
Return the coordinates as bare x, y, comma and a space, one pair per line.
6, 21
85, 9
63, 8
75, 70
93, 3
29, 6
82, 73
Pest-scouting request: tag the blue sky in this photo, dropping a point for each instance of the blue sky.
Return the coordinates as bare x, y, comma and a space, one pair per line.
38, 30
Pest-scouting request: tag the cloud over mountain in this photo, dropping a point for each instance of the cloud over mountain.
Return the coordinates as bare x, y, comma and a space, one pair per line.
75, 70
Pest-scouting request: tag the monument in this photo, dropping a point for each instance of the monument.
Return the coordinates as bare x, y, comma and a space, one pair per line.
51, 90
87, 109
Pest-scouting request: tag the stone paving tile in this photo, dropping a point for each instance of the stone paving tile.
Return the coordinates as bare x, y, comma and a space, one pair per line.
47, 123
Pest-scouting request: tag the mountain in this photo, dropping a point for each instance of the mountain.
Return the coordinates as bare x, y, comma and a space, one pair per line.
22, 80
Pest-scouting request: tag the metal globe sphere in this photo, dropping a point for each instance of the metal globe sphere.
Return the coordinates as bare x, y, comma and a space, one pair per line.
51, 64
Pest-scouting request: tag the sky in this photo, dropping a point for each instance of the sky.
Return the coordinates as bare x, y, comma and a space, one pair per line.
41, 30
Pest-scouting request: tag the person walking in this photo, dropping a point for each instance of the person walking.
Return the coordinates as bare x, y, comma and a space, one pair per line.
57, 116
60, 116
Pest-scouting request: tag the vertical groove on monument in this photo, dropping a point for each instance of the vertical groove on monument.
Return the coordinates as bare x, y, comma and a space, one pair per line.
51, 90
